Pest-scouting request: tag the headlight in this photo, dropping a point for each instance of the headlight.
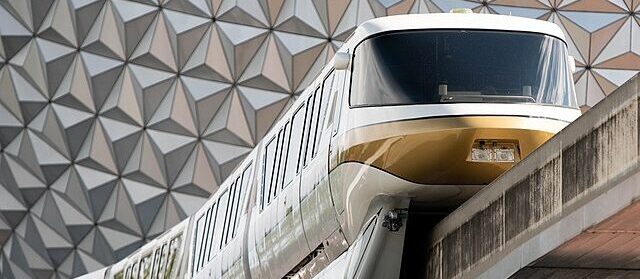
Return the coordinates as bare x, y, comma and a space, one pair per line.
505, 155
481, 155
502, 151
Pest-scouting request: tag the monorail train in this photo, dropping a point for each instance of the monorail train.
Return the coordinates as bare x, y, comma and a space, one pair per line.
414, 114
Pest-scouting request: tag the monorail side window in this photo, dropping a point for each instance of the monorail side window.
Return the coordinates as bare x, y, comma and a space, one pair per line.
211, 213
176, 244
295, 144
336, 88
311, 123
269, 160
274, 176
230, 208
163, 259
317, 103
233, 207
145, 267
198, 240
273, 188
284, 150
461, 66
156, 262
135, 270
205, 238
171, 257
305, 134
322, 110
246, 178
217, 233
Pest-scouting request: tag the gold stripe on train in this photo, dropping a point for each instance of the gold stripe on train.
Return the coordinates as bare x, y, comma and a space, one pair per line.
435, 151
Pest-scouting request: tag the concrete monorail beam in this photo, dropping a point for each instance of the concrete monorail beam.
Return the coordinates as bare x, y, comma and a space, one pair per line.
585, 174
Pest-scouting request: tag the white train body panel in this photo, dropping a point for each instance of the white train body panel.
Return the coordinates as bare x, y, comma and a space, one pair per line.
311, 198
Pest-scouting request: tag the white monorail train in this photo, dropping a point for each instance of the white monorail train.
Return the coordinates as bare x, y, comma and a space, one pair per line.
414, 114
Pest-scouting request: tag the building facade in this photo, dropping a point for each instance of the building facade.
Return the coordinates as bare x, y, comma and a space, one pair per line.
119, 118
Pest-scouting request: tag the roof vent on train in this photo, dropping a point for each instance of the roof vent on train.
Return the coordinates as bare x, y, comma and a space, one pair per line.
460, 11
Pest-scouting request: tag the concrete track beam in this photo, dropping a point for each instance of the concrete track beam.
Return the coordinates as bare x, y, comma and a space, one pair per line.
585, 174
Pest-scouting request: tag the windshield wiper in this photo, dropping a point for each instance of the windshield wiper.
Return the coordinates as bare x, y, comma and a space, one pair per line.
460, 97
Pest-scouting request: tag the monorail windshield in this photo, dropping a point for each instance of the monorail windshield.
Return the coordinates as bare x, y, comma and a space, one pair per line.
461, 66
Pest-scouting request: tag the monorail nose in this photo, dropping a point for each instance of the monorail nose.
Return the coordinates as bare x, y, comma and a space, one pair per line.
469, 150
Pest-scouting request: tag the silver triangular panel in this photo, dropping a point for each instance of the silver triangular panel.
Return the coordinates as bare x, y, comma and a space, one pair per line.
195, 7
13, 34
133, 19
118, 118
104, 36
155, 49
58, 25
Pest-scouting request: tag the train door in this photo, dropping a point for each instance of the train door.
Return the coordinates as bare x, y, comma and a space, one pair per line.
335, 124
319, 218
292, 244
280, 240
266, 220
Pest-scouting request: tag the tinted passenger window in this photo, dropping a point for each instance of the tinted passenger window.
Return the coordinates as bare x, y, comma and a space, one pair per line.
273, 189
145, 267
199, 242
163, 258
314, 123
335, 101
217, 233
246, 177
269, 159
210, 224
295, 144
284, 146
322, 110
212, 227
156, 262
134, 270
173, 248
233, 207
311, 124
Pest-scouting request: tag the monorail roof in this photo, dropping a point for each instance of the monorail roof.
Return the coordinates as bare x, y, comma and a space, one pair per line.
454, 21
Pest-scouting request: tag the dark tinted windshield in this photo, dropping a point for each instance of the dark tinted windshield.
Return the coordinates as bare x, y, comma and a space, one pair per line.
453, 66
